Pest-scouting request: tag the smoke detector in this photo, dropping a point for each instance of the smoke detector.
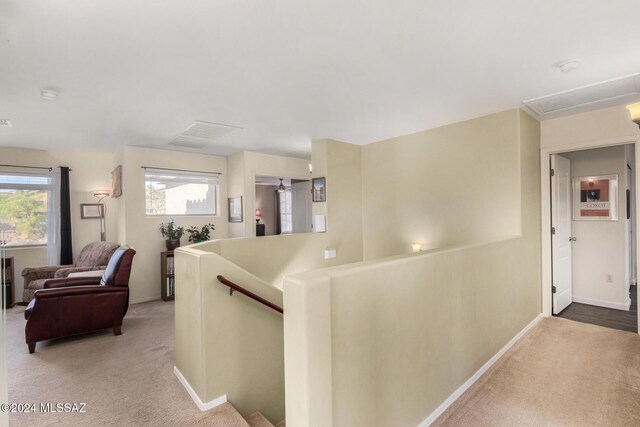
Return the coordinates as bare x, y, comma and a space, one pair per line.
567, 65
5, 123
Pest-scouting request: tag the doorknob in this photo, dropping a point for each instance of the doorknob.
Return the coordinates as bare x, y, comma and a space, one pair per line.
572, 239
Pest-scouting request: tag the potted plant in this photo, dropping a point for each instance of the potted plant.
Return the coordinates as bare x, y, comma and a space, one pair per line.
172, 234
200, 235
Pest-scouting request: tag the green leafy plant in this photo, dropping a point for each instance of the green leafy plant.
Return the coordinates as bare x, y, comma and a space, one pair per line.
170, 231
200, 235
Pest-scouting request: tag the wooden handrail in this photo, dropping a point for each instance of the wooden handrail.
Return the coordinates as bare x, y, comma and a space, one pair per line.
234, 287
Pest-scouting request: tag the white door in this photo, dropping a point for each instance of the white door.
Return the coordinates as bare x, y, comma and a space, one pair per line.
630, 212
301, 207
561, 231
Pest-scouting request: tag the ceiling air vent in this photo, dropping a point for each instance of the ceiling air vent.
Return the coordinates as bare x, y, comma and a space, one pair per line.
199, 134
185, 142
5, 123
600, 95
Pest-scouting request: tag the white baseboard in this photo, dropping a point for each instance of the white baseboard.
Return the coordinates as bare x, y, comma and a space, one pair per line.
460, 390
138, 301
602, 303
201, 405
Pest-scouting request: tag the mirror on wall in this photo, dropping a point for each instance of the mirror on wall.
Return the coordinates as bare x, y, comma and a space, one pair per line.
283, 206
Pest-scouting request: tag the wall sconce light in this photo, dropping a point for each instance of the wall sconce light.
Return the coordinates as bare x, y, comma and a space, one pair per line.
100, 195
258, 216
416, 247
310, 167
634, 111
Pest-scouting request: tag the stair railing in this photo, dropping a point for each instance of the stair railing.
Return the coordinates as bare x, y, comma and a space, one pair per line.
234, 287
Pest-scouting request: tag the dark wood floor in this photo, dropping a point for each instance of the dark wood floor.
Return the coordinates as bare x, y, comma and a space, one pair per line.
607, 317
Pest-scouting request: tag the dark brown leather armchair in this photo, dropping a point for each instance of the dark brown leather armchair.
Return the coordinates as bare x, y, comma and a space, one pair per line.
77, 305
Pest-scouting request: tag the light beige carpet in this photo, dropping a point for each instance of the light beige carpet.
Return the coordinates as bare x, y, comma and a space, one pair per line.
126, 380
563, 373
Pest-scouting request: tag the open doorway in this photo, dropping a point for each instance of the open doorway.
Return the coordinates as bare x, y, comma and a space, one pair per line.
593, 243
283, 206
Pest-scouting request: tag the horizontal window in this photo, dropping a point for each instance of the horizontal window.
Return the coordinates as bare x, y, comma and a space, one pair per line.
180, 193
24, 208
23, 180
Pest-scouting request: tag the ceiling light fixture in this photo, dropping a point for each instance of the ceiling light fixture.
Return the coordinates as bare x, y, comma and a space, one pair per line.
567, 65
281, 187
634, 111
49, 95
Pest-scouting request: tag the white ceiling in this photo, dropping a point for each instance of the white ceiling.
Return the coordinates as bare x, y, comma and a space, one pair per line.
138, 72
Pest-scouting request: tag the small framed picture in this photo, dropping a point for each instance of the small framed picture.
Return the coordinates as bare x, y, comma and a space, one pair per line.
235, 209
91, 211
595, 198
116, 182
319, 189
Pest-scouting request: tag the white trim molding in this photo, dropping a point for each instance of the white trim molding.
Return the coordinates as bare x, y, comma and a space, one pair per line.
460, 390
201, 405
602, 303
141, 300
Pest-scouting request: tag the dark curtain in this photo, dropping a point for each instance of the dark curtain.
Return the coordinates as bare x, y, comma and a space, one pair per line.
278, 216
66, 250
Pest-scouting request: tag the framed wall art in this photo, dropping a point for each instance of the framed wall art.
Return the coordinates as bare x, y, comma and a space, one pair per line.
319, 189
91, 210
235, 209
116, 182
595, 198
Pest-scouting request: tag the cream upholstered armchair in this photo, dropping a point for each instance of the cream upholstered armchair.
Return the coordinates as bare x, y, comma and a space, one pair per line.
94, 256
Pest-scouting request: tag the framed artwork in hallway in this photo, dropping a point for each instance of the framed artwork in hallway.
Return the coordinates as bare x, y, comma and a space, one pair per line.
116, 182
319, 189
91, 211
235, 209
595, 198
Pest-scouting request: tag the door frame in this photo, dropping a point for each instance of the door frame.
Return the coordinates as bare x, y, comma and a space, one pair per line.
545, 206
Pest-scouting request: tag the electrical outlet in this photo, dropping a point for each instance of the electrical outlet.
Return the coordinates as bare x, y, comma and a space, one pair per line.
609, 278
329, 253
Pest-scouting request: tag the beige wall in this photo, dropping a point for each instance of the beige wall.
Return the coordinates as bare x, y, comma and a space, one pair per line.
234, 346
443, 186
228, 345
235, 185
272, 257
243, 169
385, 342
141, 230
598, 125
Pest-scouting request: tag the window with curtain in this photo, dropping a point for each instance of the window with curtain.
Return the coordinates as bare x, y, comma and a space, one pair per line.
24, 207
286, 212
180, 193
